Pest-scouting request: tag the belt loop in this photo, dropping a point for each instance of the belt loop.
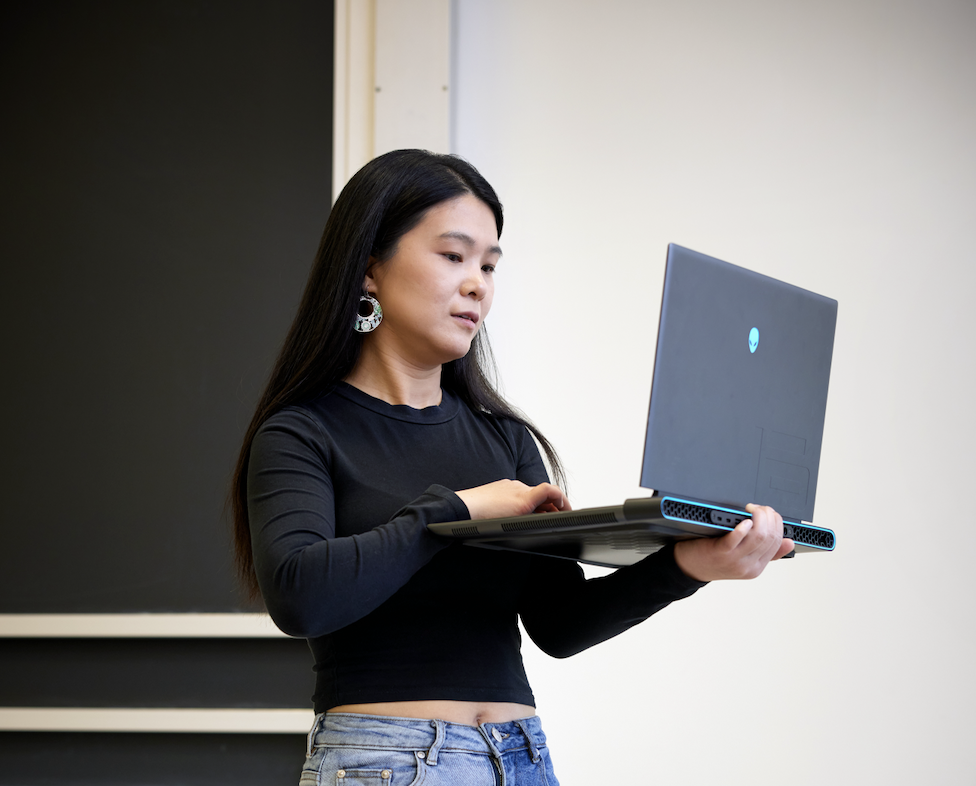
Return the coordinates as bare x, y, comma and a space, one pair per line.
440, 733
533, 746
311, 733
496, 754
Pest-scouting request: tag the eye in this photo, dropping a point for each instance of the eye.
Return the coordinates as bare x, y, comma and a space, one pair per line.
453, 257
488, 269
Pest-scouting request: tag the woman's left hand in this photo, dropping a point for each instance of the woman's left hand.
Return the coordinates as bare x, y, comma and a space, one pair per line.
512, 498
743, 553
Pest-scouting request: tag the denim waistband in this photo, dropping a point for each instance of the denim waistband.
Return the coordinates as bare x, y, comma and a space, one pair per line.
427, 737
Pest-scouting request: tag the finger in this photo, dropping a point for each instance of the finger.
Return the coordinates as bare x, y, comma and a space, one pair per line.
768, 523
733, 539
784, 548
760, 513
758, 545
765, 516
557, 498
546, 495
773, 545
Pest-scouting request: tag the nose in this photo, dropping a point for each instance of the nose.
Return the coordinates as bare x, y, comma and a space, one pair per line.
475, 284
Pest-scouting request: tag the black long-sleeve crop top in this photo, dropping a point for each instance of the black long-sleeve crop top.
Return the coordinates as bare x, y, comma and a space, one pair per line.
340, 491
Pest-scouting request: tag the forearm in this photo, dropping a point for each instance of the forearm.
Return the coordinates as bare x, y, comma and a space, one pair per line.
578, 613
316, 575
313, 585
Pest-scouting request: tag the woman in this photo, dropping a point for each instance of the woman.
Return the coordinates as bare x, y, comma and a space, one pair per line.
379, 419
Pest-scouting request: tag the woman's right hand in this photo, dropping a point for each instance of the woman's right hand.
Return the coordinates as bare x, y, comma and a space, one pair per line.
512, 498
742, 553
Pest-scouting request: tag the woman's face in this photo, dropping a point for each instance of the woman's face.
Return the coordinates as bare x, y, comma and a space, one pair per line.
437, 288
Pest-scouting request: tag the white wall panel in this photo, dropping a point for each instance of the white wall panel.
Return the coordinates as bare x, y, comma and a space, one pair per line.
827, 144
392, 83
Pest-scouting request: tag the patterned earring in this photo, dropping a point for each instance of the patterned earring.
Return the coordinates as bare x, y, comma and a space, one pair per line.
368, 322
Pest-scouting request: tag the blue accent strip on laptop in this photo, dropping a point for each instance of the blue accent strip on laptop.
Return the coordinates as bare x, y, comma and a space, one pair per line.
738, 512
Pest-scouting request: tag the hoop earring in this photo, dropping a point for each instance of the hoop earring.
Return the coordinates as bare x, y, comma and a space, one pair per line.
367, 323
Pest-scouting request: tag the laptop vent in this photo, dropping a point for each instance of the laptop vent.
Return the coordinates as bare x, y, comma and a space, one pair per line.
817, 538
685, 511
639, 542
464, 532
700, 514
545, 522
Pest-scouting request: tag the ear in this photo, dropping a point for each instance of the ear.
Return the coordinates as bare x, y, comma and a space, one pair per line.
369, 282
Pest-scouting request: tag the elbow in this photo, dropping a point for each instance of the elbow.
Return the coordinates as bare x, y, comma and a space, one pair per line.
558, 638
290, 610
561, 652
293, 620
558, 646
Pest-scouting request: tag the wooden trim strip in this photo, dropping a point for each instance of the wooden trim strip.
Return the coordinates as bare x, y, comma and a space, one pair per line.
209, 721
138, 626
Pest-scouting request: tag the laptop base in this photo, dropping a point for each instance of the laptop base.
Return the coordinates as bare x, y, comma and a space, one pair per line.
618, 535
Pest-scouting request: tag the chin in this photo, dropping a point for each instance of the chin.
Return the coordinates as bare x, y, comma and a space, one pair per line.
456, 352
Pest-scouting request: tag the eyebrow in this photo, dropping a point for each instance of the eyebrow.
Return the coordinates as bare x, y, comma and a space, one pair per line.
469, 241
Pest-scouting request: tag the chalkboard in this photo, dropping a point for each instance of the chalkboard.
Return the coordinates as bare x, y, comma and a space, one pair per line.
165, 177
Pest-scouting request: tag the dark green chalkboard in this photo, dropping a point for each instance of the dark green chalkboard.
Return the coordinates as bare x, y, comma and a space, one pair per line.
165, 176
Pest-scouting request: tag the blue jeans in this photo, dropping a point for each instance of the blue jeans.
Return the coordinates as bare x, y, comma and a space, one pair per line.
373, 750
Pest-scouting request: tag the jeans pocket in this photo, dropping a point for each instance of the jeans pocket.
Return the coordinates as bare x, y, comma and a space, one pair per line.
341, 766
364, 778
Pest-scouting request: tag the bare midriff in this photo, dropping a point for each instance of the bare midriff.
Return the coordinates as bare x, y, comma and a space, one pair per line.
470, 713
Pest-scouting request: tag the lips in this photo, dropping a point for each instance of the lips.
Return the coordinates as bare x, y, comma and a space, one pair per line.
468, 316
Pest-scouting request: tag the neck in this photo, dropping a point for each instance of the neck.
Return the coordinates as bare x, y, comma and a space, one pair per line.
391, 379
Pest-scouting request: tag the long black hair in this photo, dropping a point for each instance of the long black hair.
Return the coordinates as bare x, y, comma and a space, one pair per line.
383, 201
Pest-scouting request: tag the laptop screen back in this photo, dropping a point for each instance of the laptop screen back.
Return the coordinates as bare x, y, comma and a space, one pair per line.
740, 387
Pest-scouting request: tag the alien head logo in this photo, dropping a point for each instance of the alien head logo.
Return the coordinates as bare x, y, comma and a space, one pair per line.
753, 339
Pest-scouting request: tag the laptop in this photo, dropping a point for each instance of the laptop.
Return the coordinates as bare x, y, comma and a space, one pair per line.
736, 415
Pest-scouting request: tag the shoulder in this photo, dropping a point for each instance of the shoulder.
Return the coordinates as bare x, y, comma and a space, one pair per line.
316, 418
511, 430
516, 431
300, 421
522, 446
305, 428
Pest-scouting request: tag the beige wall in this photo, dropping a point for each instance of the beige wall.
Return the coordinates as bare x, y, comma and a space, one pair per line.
832, 145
